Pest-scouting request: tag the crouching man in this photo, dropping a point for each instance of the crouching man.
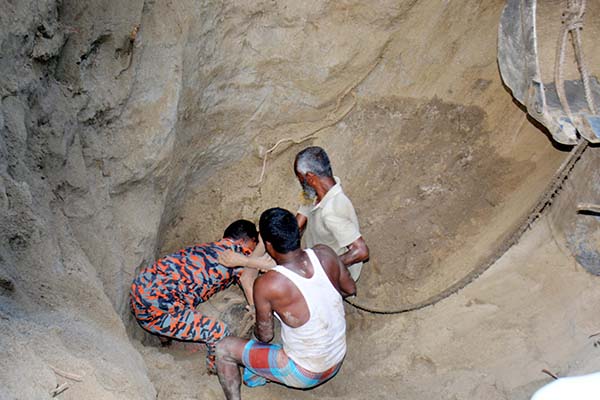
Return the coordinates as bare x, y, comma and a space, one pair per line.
304, 291
164, 296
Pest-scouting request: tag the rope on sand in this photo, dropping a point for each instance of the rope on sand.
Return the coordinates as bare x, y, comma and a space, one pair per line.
331, 120
304, 138
572, 20
536, 211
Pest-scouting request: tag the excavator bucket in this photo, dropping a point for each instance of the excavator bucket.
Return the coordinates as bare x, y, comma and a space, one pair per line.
527, 47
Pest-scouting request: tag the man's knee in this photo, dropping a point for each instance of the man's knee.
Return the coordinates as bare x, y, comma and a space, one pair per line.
223, 347
230, 348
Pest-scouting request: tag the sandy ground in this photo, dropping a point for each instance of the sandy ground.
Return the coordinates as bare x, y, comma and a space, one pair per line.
103, 168
533, 309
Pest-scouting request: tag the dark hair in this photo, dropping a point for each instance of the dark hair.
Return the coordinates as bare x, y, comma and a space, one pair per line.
314, 159
280, 228
241, 229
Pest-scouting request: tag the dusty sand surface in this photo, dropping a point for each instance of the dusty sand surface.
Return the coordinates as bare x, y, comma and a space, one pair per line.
533, 309
116, 149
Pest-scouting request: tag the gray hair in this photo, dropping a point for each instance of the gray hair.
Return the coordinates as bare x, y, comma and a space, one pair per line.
314, 159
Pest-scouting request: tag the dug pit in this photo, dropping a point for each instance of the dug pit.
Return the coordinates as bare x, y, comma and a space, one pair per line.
132, 130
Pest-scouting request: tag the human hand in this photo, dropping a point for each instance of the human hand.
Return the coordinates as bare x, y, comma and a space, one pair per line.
231, 259
264, 262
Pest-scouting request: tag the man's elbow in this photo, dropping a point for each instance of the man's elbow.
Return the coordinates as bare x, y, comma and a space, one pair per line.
349, 292
264, 337
264, 331
362, 252
347, 286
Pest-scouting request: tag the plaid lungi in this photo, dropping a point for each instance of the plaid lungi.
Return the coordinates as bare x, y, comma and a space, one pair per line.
268, 362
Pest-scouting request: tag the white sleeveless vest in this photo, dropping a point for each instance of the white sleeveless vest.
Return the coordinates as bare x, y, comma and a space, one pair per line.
320, 343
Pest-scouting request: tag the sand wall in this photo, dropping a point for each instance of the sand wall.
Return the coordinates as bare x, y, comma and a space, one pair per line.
131, 129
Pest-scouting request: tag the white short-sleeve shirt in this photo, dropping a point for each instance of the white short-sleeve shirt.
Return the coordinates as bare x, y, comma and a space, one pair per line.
333, 222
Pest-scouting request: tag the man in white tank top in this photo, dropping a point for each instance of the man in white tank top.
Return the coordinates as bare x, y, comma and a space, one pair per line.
304, 291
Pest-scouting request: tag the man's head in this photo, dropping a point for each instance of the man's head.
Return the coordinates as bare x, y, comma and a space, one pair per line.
242, 230
311, 165
279, 230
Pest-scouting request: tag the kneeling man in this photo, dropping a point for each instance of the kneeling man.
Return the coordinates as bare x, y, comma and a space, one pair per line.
304, 291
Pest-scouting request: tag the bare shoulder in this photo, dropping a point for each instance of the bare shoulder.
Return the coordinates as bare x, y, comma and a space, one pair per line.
267, 279
270, 282
328, 258
324, 252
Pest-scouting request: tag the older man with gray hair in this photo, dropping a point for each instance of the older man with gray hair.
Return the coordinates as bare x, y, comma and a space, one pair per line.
330, 219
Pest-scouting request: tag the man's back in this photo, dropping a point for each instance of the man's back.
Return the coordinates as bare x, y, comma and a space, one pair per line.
190, 275
305, 296
285, 298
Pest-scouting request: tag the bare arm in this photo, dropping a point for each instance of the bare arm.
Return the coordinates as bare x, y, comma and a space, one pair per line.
336, 271
264, 328
357, 251
347, 284
301, 218
247, 282
231, 259
259, 259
